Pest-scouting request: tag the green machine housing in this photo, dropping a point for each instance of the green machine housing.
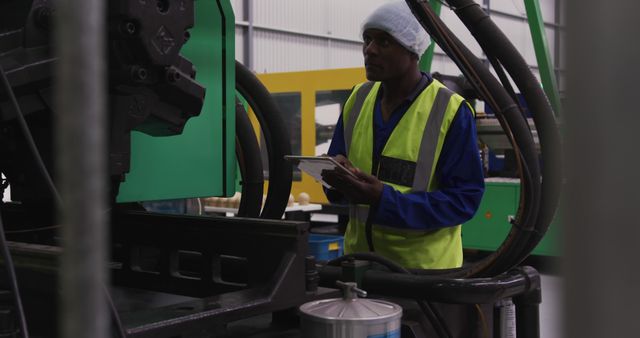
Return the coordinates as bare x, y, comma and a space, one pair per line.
491, 224
201, 161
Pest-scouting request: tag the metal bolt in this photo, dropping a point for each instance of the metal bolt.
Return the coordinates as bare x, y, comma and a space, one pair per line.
173, 75
129, 28
139, 73
351, 290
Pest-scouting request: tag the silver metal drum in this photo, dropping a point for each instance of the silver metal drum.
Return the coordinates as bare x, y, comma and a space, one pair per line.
350, 317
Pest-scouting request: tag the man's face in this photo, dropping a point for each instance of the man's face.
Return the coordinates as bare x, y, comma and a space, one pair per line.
384, 57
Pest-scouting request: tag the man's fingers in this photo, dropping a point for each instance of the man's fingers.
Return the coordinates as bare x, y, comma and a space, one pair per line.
365, 177
344, 161
337, 180
341, 159
330, 178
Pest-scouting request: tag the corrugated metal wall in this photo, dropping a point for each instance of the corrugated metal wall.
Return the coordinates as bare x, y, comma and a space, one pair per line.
295, 35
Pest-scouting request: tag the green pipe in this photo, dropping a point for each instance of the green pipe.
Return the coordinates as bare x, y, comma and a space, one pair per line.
541, 46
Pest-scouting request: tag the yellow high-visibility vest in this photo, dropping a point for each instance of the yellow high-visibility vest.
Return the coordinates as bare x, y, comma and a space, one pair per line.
407, 163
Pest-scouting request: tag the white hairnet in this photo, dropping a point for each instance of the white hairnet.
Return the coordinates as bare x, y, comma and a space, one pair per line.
396, 19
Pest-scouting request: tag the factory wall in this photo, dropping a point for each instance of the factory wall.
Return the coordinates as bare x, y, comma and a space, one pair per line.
298, 35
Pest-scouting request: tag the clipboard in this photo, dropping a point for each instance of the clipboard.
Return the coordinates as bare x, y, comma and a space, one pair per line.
314, 165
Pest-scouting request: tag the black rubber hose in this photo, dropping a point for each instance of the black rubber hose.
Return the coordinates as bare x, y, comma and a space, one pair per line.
492, 38
511, 252
370, 257
494, 94
250, 163
497, 67
527, 238
276, 138
439, 288
491, 91
543, 116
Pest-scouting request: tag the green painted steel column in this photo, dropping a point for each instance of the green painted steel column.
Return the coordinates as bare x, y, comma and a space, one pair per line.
427, 57
541, 46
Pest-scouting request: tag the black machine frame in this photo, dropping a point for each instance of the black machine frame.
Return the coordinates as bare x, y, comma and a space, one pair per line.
191, 276
217, 270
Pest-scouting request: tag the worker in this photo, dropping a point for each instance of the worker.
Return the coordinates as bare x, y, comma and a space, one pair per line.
411, 144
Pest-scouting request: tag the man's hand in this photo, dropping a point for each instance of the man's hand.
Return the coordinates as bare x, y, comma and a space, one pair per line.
346, 163
361, 189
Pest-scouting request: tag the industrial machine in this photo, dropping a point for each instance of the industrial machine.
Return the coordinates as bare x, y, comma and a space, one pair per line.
173, 113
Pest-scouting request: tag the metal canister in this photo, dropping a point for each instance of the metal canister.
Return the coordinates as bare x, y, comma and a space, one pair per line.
350, 316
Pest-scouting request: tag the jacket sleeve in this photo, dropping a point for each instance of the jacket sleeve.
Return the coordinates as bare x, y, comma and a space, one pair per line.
337, 147
461, 185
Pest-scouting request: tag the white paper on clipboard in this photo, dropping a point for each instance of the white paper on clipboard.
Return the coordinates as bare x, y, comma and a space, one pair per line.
314, 165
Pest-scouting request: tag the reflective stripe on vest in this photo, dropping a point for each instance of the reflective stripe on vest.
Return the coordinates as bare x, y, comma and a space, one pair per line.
417, 146
427, 153
361, 95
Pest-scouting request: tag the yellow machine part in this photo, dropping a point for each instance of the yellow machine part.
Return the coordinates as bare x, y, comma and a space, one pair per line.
308, 84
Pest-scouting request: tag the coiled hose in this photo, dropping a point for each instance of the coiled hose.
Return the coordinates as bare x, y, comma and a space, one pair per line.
489, 35
250, 163
276, 138
538, 203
